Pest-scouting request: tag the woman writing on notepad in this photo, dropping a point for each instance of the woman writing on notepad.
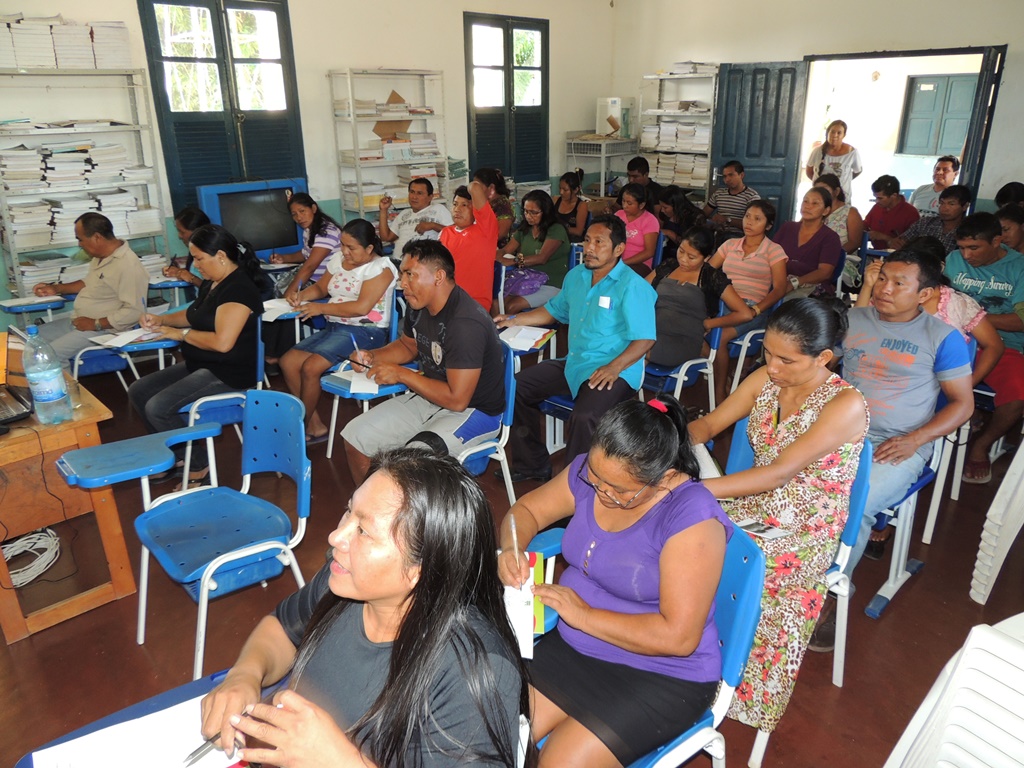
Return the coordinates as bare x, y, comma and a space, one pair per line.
635, 658
359, 283
218, 338
400, 651
807, 429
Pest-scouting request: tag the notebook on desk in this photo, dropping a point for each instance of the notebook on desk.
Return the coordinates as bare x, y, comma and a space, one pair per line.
15, 397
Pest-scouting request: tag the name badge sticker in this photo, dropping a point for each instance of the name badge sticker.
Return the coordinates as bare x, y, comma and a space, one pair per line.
605, 302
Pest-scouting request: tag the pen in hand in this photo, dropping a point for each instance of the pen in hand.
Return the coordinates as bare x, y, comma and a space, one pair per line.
515, 541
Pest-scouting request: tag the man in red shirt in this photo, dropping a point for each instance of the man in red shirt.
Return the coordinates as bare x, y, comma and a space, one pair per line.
891, 214
473, 242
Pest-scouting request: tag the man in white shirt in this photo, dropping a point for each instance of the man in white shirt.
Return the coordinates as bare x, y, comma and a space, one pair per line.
422, 219
926, 197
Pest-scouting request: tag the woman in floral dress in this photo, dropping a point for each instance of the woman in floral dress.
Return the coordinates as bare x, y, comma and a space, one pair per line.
807, 428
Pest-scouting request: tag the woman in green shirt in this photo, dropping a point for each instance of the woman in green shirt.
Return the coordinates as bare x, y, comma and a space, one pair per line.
539, 253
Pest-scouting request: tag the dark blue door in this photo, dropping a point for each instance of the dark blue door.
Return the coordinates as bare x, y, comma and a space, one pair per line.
758, 121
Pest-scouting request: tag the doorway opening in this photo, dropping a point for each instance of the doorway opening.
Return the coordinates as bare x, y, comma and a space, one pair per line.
904, 110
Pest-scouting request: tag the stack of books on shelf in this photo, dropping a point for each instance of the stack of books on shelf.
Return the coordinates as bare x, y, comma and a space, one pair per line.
67, 208
30, 224
72, 45
391, 109
7, 58
33, 43
456, 174
21, 169
42, 268
407, 173
111, 45
138, 174
694, 68
396, 149
153, 263
663, 168
649, 137
108, 158
144, 221
65, 169
374, 150
423, 142
371, 195
75, 271
364, 108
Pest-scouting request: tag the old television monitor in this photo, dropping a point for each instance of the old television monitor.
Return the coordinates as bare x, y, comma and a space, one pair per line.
256, 212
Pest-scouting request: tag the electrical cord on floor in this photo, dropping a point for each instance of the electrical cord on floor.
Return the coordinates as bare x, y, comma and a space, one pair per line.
44, 544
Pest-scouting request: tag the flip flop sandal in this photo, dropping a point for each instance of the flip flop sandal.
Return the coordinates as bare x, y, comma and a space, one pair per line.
317, 439
977, 472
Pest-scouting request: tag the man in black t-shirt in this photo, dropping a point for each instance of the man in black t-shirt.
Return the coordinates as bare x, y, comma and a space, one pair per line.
456, 399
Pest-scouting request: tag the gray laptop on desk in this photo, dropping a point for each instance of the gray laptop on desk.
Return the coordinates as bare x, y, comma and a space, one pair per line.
15, 397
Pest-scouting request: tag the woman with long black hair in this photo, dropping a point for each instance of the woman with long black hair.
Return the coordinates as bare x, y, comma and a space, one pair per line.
400, 650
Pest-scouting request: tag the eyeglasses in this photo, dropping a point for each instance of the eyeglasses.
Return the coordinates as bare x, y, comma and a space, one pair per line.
528, 212
583, 476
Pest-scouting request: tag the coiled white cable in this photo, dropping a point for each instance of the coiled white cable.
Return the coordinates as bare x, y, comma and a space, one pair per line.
45, 544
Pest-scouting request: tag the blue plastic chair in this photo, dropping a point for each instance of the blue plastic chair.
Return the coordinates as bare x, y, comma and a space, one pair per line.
748, 344
211, 540
227, 408
741, 457
659, 251
901, 516
98, 359
475, 459
658, 378
737, 613
341, 387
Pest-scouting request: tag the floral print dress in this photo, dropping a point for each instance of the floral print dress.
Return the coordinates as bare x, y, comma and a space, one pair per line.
814, 506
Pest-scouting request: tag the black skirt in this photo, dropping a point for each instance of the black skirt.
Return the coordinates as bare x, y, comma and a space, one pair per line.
632, 711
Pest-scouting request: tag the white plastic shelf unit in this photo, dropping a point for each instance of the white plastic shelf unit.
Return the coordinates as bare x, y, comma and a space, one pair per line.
46, 96
677, 114
578, 148
357, 96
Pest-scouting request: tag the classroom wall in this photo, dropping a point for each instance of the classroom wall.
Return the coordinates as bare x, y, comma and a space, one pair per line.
328, 34
651, 34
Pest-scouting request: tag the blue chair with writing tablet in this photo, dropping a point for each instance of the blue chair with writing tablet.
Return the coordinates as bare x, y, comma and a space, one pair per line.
211, 540
737, 613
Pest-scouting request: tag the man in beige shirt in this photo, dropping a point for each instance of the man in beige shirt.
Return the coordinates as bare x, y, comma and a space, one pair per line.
110, 299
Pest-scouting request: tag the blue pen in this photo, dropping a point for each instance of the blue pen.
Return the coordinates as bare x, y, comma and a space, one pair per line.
356, 345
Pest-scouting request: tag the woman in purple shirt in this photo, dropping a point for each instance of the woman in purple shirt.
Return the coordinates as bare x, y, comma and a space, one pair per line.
635, 659
813, 249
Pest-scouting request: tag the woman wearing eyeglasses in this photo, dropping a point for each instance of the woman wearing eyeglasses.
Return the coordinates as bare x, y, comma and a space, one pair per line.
807, 429
539, 250
635, 658
835, 156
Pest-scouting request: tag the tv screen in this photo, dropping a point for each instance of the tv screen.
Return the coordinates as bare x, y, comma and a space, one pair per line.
259, 217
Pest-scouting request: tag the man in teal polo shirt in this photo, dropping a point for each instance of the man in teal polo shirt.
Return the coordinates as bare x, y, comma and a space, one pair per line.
610, 312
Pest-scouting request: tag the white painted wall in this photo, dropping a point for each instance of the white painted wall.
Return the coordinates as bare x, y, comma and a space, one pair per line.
651, 34
336, 34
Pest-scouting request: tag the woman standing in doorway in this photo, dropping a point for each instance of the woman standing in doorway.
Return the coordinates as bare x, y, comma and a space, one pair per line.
835, 156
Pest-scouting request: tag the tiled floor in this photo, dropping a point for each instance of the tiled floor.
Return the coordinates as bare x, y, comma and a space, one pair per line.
90, 666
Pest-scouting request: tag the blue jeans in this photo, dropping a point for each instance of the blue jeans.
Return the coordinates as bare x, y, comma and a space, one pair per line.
158, 396
889, 483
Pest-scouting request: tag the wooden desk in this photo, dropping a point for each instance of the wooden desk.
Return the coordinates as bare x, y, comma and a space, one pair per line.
29, 503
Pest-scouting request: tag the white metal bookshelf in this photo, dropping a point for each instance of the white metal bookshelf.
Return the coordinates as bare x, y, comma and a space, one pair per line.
53, 95
420, 88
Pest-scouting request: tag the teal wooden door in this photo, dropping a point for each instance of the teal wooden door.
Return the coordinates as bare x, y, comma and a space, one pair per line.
938, 114
758, 121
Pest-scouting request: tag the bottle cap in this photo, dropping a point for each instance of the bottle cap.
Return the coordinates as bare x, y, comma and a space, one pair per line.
32, 330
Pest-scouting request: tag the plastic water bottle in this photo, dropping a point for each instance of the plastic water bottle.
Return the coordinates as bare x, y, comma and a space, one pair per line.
46, 380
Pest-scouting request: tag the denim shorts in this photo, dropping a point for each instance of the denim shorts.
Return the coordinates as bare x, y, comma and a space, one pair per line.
335, 342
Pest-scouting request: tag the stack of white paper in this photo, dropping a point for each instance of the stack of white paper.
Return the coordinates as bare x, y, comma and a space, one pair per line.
72, 45
108, 157
43, 268
407, 173
119, 200
144, 221
154, 264
137, 174
30, 224
7, 57
111, 45
33, 44
21, 168
66, 209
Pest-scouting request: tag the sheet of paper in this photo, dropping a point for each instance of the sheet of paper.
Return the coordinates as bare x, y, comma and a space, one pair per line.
519, 605
29, 300
162, 738
708, 467
358, 381
275, 308
127, 337
762, 530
